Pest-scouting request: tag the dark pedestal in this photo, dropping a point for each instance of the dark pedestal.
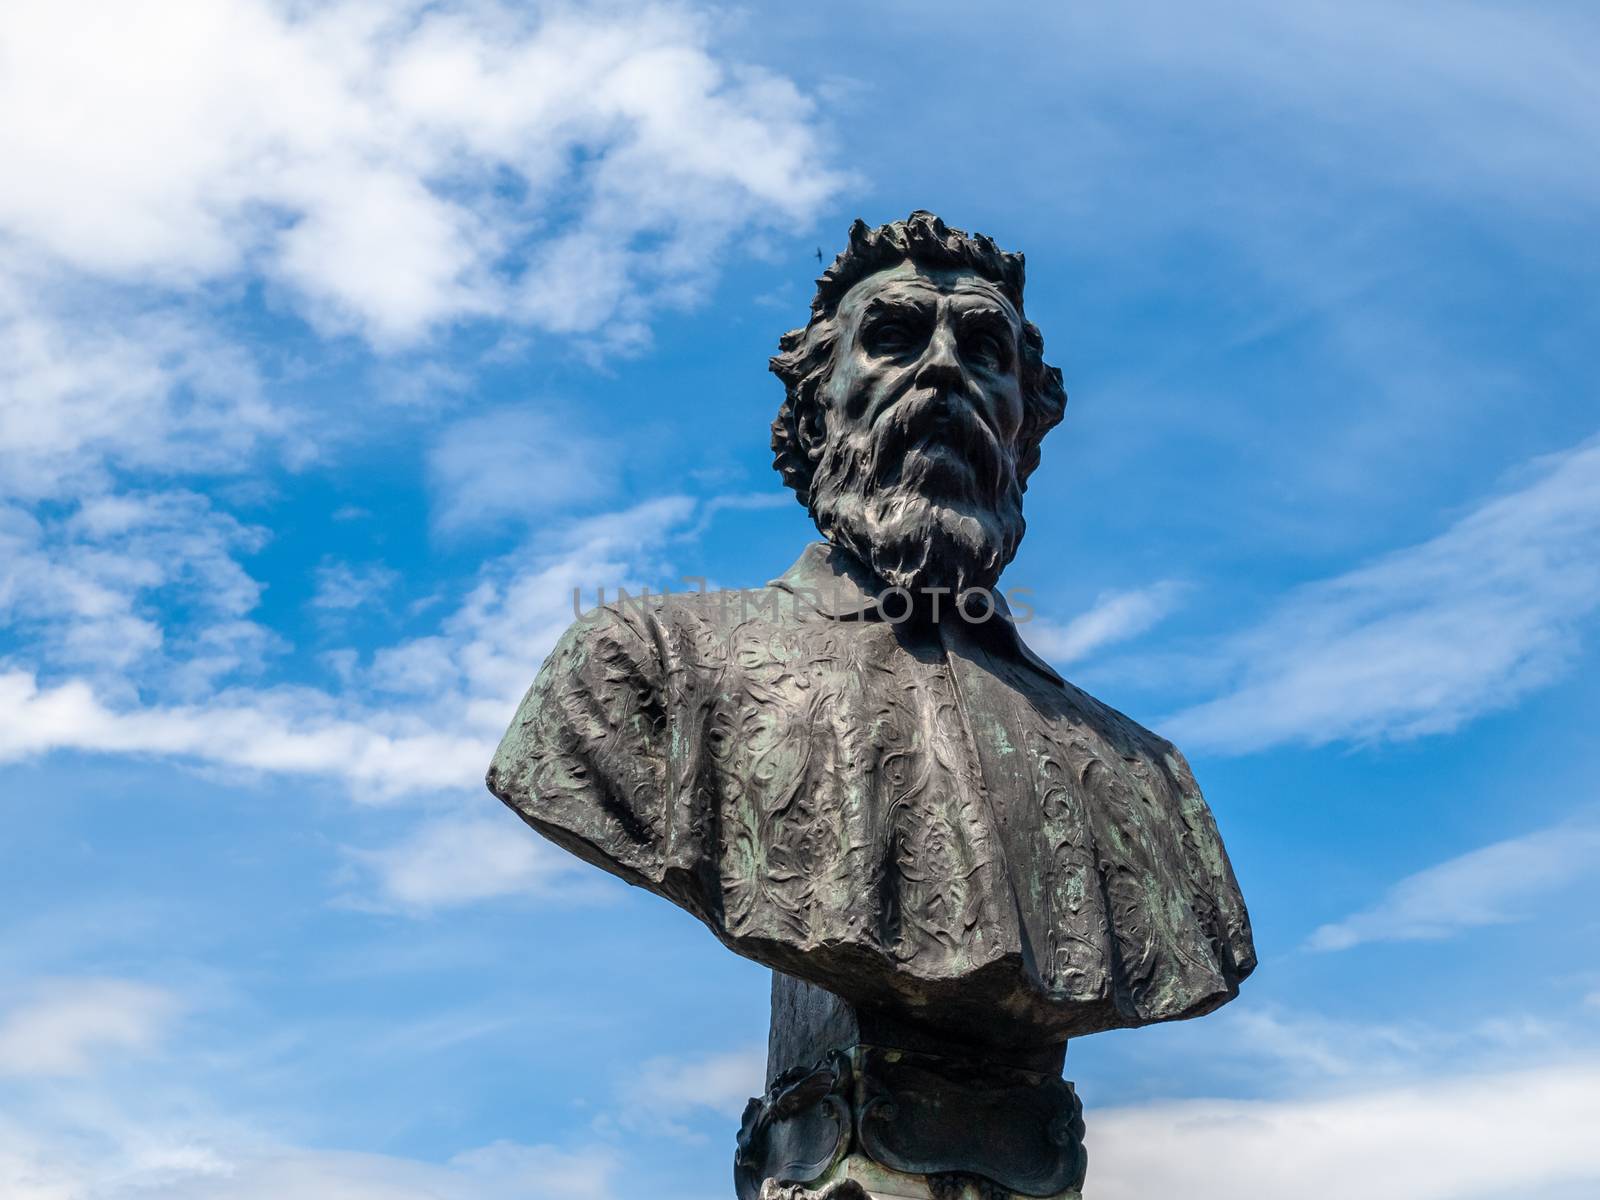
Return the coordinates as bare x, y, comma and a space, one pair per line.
859, 1094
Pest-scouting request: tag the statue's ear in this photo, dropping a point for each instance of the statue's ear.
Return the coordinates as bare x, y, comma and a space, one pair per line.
811, 426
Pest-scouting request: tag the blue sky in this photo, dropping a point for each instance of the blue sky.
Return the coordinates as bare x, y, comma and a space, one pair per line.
339, 342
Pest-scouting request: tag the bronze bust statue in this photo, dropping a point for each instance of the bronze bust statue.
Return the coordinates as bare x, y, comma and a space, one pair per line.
861, 777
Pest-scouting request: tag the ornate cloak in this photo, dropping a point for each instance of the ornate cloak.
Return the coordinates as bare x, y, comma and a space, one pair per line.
921, 818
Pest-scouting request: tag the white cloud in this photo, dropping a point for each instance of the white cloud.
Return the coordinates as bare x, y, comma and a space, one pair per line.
1522, 1133
1115, 617
71, 1026
1283, 1052
92, 387
343, 587
514, 467
486, 652
1427, 638
667, 1092
737, 502
1316, 1049
387, 166
425, 716
462, 860
183, 1164
133, 582
288, 730
387, 170
723, 1083
1483, 887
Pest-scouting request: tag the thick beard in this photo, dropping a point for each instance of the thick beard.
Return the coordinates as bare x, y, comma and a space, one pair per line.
914, 515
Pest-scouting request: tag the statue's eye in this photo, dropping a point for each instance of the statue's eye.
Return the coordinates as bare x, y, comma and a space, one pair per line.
988, 351
891, 337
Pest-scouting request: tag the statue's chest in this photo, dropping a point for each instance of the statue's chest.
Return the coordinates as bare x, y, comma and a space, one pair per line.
923, 794
887, 713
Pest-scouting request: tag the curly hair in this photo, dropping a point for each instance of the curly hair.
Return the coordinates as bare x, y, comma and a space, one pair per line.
805, 356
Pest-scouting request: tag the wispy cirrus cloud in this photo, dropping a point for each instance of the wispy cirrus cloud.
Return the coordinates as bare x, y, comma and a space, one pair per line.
290, 730
344, 587
1115, 617
1445, 1138
182, 1162
514, 467
1424, 639
451, 861
1306, 1051
1486, 886
421, 715
667, 1092
69, 1026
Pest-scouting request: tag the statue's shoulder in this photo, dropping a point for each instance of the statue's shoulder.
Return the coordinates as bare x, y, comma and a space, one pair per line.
606, 642
1121, 734
672, 623
689, 611
638, 614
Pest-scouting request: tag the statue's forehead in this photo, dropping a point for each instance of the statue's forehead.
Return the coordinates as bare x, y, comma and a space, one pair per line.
917, 281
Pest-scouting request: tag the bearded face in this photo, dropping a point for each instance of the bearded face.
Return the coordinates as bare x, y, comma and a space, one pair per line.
915, 432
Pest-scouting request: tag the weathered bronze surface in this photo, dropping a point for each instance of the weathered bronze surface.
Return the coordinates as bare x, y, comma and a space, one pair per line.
950, 855
801, 1129
918, 1114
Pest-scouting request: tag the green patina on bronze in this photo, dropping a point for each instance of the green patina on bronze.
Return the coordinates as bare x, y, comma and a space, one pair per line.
920, 817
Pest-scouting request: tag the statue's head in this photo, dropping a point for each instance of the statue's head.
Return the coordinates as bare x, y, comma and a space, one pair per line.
916, 399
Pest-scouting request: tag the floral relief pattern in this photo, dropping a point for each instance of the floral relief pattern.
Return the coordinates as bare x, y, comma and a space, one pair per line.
929, 819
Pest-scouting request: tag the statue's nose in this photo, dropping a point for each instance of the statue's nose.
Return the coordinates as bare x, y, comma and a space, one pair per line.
941, 367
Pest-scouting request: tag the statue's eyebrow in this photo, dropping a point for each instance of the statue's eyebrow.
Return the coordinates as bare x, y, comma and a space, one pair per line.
903, 306
986, 314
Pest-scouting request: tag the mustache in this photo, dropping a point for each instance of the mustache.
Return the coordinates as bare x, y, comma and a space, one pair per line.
924, 491
936, 418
